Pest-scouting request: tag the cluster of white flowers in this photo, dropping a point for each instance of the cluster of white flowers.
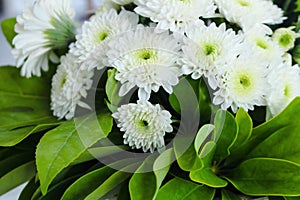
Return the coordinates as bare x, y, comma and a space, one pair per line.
245, 62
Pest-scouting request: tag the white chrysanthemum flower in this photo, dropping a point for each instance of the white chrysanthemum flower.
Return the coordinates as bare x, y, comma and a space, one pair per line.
285, 86
208, 47
242, 84
122, 2
145, 59
175, 15
260, 44
69, 86
42, 28
91, 45
144, 125
247, 13
285, 37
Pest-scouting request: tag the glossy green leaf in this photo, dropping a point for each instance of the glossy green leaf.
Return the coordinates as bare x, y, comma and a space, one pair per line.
244, 123
227, 195
180, 189
206, 175
142, 184
29, 190
283, 127
147, 180
112, 90
63, 145
112, 182
202, 135
8, 29
13, 137
225, 134
266, 177
291, 198
189, 160
17, 176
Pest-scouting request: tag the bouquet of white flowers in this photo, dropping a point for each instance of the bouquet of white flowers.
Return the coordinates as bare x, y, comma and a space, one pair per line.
152, 99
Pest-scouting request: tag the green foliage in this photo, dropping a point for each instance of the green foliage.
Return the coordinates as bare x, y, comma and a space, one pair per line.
8, 29
67, 145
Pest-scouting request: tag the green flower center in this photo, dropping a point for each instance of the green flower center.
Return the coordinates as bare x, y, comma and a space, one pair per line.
142, 123
262, 44
146, 55
285, 40
287, 91
103, 36
245, 81
209, 49
243, 3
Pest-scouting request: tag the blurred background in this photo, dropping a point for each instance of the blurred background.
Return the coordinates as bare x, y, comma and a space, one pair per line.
12, 8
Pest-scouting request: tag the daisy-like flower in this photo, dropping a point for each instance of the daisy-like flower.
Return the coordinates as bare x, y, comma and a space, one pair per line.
242, 84
144, 125
145, 59
285, 84
285, 37
175, 15
259, 43
43, 27
208, 47
91, 45
247, 13
69, 86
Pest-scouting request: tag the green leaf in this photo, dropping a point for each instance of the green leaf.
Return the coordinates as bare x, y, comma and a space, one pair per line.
282, 126
244, 123
15, 136
112, 88
17, 176
225, 134
8, 29
29, 190
227, 195
266, 176
207, 174
63, 145
180, 189
145, 183
202, 135
112, 182
24, 104
189, 160
297, 9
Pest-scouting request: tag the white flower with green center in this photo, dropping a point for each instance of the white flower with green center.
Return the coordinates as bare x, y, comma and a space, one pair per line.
260, 44
91, 45
174, 15
107, 5
42, 28
242, 84
285, 37
144, 125
145, 59
207, 48
247, 13
69, 87
285, 86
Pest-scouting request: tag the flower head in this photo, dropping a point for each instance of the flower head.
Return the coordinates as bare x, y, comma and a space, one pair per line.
208, 47
69, 86
91, 45
242, 84
285, 84
174, 15
285, 37
145, 59
42, 28
144, 125
247, 13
